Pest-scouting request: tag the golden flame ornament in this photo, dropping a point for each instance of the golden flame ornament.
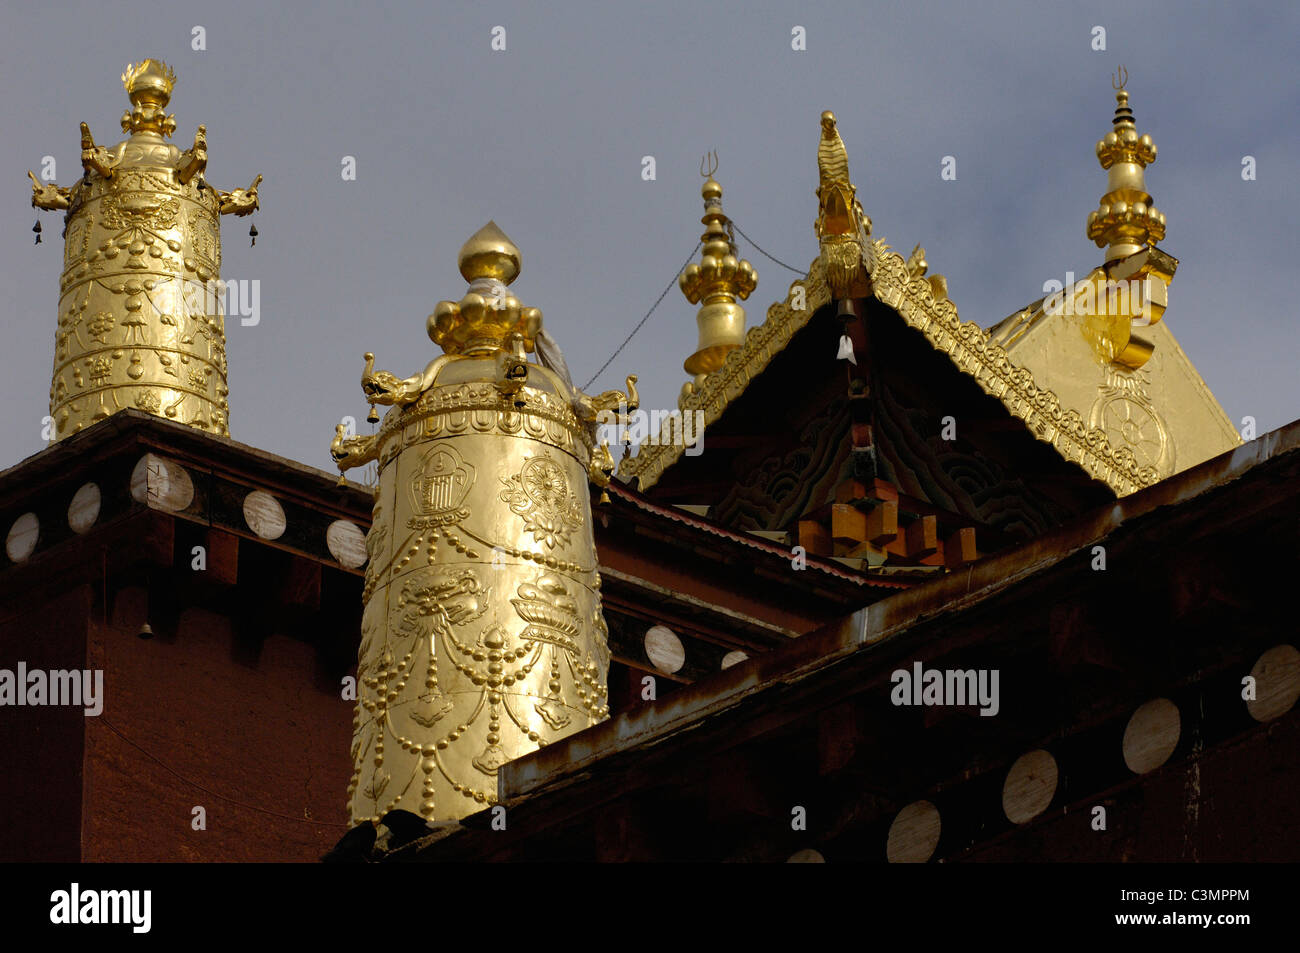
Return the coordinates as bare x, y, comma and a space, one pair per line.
140, 316
482, 634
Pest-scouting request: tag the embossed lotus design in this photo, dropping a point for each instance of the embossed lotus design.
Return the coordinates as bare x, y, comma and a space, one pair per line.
550, 611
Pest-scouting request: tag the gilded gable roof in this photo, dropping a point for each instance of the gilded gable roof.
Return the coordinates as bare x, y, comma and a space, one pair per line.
966, 344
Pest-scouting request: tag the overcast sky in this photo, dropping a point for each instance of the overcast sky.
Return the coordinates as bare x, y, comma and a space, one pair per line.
547, 138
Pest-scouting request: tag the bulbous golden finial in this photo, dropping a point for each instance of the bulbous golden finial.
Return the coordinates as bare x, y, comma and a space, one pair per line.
489, 253
488, 316
1126, 221
718, 279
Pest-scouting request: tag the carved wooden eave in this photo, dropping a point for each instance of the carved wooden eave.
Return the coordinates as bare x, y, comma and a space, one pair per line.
966, 344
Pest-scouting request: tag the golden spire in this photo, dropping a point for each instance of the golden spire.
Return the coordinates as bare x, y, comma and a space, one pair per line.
141, 321
718, 280
1126, 221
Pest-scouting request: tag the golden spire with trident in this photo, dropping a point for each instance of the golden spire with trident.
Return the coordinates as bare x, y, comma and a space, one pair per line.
717, 280
710, 159
1125, 221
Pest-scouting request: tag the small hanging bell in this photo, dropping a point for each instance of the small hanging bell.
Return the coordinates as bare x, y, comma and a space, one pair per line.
252, 233
373, 416
37, 229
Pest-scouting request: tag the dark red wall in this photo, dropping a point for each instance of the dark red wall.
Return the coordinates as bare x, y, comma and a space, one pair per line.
258, 735
255, 733
41, 747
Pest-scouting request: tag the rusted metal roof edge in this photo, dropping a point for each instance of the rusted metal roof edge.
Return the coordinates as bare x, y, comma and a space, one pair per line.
557, 764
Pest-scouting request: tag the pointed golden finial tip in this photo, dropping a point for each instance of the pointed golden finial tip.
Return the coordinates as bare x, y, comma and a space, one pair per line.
489, 253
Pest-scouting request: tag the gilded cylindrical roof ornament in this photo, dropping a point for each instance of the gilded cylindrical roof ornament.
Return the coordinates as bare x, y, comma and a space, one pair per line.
140, 308
482, 634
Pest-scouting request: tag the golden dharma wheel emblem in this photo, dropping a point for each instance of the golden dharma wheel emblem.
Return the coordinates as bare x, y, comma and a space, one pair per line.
540, 494
544, 482
1130, 422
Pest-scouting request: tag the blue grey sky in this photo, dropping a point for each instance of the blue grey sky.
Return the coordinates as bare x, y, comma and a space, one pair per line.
547, 139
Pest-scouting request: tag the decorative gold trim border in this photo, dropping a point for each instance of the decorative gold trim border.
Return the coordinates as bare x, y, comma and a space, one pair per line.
970, 347
449, 410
